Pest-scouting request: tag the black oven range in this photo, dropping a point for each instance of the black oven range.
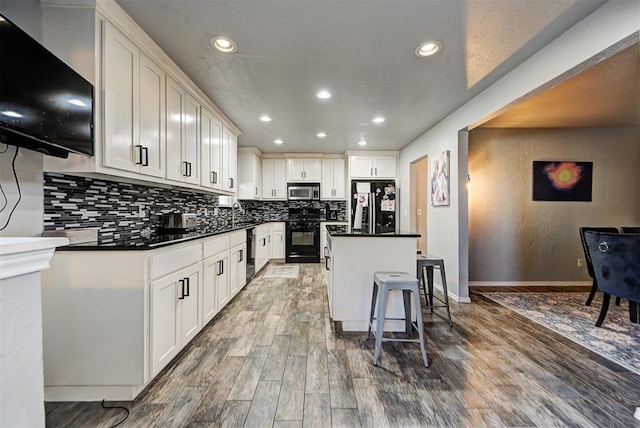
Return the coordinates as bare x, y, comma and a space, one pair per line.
303, 235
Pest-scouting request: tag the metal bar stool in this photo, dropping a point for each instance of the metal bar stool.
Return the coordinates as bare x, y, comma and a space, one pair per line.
383, 282
425, 266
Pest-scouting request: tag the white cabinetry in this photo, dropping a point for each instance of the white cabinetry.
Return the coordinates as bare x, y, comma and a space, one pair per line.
249, 174
263, 245
277, 241
183, 134
211, 144
237, 263
215, 288
229, 161
175, 311
373, 166
303, 170
333, 179
147, 112
274, 179
133, 107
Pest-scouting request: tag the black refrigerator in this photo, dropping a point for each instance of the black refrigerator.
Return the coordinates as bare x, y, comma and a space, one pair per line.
374, 206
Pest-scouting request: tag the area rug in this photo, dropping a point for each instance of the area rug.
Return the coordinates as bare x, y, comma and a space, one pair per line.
566, 314
281, 272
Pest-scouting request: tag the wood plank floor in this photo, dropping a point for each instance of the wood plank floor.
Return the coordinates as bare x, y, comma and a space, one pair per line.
274, 358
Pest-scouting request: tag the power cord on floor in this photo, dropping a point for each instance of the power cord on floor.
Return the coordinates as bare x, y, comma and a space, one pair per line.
117, 407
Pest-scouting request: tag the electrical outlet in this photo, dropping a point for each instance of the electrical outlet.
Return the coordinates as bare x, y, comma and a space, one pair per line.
580, 263
418, 211
216, 211
206, 211
141, 211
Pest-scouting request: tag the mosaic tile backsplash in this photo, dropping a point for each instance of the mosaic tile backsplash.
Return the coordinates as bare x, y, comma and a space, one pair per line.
72, 202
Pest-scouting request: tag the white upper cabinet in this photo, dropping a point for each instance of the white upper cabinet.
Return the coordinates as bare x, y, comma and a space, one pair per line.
303, 170
333, 179
249, 174
211, 144
151, 154
373, 166
183, 134
229, 161
274, 179
152, 123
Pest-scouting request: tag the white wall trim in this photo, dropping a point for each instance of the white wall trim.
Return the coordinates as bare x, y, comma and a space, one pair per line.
529, 283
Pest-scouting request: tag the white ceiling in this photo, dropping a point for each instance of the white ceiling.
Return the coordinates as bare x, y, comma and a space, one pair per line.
360, 50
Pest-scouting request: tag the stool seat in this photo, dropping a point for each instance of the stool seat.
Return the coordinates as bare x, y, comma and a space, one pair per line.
383, 283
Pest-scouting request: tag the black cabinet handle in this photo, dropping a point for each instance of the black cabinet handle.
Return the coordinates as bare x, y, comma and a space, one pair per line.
326, 262
219, 268
214, 177
241, 256
230, 183
146, 156
139, 161
181, 289
186, 280
222, 266
186, 168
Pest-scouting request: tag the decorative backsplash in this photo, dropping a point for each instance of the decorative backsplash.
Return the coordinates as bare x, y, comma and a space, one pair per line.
72, 202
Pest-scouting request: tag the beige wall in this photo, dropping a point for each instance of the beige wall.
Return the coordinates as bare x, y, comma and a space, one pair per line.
513, 238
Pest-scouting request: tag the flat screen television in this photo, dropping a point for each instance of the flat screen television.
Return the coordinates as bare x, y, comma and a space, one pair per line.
45, 105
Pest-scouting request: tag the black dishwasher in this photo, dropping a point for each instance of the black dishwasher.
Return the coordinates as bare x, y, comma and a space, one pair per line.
251, 253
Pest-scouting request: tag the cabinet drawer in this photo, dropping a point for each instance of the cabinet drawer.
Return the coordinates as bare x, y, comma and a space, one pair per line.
237, 237
216, 245
171, 261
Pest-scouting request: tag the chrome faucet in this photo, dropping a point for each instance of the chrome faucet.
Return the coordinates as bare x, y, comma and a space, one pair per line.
235, 205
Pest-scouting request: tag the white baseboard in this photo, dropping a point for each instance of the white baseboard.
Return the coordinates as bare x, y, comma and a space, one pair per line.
529, 283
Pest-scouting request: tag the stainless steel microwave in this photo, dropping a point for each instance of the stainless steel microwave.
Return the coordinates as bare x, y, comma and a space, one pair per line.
303, 191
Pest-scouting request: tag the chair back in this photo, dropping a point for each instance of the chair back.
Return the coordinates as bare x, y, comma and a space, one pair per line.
616, 263
584, 244
630, 229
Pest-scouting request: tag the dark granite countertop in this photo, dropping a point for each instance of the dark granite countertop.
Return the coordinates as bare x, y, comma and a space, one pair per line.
346, 231
154, 240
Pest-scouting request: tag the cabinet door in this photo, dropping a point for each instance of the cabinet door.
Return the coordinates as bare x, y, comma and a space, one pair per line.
238, 269
176, 169
211, 145
209, 287
120, 68
151, 118
295, 170
190, 314
339, 179
384, 166
229, 159
312, 169
361, 166
278, 244
268, 185
191, 143
249, 176
222, 283
280, 179
165, 336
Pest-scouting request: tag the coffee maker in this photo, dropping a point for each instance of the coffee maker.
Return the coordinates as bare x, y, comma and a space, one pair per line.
332, 212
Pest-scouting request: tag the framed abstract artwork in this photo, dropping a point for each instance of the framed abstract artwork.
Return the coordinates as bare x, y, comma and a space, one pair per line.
440, 180
562, 181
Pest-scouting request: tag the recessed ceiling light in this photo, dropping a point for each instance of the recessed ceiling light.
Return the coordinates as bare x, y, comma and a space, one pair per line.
323, 94
265, 118
378, 119
11, 113
278, 141
362, 142
321, 135
428, 48
223, 44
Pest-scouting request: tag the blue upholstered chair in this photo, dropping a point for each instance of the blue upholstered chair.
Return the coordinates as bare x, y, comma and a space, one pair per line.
616, 266
594, 284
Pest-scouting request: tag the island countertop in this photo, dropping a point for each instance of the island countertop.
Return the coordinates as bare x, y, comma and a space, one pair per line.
347, 231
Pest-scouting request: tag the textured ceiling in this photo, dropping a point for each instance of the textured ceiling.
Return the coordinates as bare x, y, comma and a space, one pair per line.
361, 50
605, 95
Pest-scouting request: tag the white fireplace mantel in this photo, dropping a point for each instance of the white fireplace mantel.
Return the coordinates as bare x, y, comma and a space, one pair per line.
21, 375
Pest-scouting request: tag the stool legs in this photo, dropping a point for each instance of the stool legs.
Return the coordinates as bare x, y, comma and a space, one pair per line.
380, 303
427, 285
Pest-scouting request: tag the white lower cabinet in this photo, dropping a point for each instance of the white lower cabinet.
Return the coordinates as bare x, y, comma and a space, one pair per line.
263, 245
176, 317
277, 241
237, 268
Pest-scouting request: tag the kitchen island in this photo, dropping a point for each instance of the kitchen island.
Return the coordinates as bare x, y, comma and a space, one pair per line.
351, 258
